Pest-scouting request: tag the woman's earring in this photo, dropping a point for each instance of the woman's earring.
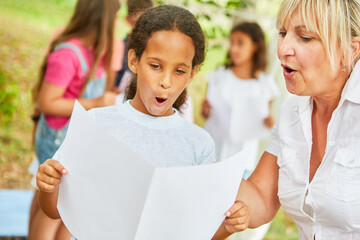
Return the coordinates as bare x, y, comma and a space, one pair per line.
343, 69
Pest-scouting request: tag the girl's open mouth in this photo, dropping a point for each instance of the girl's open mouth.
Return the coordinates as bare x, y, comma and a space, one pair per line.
160, 100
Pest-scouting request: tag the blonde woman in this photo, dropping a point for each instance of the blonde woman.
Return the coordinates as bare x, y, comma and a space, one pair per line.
311, 166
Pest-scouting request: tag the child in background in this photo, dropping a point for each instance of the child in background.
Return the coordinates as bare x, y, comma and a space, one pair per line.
166, 49
135, 9
74, 68
116, 61
246, 89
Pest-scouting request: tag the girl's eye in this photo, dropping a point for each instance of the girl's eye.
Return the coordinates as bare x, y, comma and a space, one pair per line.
155, 66
179, 71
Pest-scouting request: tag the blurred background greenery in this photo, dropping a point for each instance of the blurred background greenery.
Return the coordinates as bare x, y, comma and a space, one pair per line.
25, 30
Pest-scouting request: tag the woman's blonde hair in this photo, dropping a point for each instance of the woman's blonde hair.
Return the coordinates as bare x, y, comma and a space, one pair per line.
90, 16
335, 21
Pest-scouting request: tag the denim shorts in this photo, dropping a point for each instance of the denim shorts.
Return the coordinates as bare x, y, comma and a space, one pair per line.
47, 140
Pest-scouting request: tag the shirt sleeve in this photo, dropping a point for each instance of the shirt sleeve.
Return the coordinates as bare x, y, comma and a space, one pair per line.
208, 154
62, 65
273, 146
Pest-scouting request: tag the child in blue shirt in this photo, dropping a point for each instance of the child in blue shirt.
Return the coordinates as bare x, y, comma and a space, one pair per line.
166, 49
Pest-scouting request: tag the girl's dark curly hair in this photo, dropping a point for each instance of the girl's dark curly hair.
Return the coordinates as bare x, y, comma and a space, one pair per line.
170, 18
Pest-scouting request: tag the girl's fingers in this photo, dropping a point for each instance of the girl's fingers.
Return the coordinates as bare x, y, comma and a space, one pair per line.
53, 168
49, 174
236, 228
46, 187
60, 168
237, 221
234, 208
237, 217
49, 180
243, 211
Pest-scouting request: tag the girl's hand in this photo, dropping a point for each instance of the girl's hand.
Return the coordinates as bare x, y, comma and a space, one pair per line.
206, 108
49, 175
269, 121
237, 217
108, 99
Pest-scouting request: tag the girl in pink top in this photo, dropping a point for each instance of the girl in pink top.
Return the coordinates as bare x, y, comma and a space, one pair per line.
76, 66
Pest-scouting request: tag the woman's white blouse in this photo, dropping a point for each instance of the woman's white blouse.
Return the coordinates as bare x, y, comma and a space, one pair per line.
329, 206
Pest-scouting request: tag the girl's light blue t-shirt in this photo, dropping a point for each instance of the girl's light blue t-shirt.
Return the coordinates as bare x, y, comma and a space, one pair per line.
162, 141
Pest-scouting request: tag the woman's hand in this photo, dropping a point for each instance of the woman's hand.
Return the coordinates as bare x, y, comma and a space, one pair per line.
237, 217
206, 108
49, 176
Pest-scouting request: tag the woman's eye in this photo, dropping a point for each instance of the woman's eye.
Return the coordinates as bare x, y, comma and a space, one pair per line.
306, 38
282, 34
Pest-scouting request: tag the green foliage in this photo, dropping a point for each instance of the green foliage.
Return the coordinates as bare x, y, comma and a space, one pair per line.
282, 227
215, 16
39, 12
8, 100
230, 4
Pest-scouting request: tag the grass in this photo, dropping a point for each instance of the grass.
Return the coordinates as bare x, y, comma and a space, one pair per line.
25, 29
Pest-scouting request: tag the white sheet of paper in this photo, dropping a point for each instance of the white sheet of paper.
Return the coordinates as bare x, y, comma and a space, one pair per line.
103, 195
227, 121
189, 202
111, 193
220, 114
251, 126
218, 123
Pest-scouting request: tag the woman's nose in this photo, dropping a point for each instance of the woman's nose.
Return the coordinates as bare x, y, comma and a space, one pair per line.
285, 47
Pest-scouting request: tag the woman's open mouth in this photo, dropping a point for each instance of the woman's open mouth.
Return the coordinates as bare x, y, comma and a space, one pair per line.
288, 72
